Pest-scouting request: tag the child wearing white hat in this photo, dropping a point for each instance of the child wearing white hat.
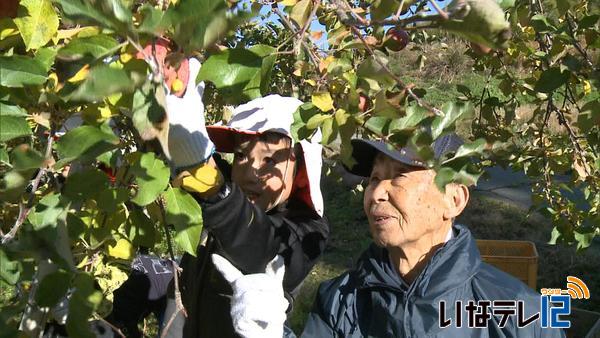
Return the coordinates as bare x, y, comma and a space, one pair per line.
267, 203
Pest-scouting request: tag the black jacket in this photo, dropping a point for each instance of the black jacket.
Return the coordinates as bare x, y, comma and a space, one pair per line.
249, 237
372, 300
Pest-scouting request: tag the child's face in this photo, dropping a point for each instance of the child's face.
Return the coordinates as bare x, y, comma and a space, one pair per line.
263, 167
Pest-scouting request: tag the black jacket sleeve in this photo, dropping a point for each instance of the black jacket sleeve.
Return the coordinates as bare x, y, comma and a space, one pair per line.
250, 237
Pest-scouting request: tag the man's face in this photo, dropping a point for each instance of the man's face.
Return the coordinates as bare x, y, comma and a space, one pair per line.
264, 168
402, 203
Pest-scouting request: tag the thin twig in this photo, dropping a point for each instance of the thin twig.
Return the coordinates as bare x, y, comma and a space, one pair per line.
417, 18
440, 11
581, 51
286, 22
343, 8
176, 269
25, 209
316, 4
116, 329
399, 11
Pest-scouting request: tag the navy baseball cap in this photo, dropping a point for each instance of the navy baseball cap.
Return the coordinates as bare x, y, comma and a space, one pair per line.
365, 151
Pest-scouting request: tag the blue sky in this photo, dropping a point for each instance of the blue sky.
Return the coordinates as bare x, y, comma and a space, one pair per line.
316, 26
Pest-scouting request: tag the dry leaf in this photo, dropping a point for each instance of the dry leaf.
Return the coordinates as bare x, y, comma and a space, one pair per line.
316, 35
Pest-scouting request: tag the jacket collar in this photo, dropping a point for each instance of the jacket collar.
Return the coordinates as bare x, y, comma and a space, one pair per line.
452, 264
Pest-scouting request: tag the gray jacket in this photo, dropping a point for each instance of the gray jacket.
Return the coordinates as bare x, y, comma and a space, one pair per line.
373, 301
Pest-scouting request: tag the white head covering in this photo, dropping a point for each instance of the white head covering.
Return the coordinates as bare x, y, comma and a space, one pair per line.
275, 113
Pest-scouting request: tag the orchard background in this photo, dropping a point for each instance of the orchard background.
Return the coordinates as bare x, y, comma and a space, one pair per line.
517, 79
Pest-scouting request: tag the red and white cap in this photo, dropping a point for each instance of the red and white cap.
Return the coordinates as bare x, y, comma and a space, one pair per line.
275, 113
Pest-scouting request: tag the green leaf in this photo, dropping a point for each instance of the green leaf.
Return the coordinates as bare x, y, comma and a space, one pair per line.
148, 113
197, 24
588, 21
471, 149
24, 158
46, 57
10, 110
328, 130
316, 120
151, 176
47, 212
10, 270
564, 5
12, 186
140, 229
239, 74
84, 300
75, 226
458, 171
323, 101
378, 125
13, 127
40, 24
95, 45
589, 117
185, 214
52, 288
482, 22
84, 143
108, 13
302, 115
551, 79
452, 112
382, 9
584, 239
414, 115
152, 19
540, 24
443, 177
109, 199
338, 66
86, 184
301, 11
101, 82
18, 71
372, 68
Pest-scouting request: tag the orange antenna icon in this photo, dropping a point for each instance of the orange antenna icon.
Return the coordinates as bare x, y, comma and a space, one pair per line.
577, 289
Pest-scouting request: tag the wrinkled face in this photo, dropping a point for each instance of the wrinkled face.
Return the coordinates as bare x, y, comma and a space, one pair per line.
263, 167
402, 203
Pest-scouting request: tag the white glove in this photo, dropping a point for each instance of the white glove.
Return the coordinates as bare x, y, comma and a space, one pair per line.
258, 304
188, 140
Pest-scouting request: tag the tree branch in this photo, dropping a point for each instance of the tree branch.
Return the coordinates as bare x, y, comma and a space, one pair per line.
286, 22
581, 51
25, 209
176, 270
440, 11
116, 329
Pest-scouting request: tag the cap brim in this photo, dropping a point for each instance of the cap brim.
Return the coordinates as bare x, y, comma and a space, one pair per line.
223, 137
364, 152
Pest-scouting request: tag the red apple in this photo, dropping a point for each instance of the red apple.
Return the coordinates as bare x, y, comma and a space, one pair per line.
396, 39
363, 102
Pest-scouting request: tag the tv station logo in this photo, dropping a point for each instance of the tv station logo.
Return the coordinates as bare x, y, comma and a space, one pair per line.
557, 302
554, 303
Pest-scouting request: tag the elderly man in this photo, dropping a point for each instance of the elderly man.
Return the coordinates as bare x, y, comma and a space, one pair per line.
423, 275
